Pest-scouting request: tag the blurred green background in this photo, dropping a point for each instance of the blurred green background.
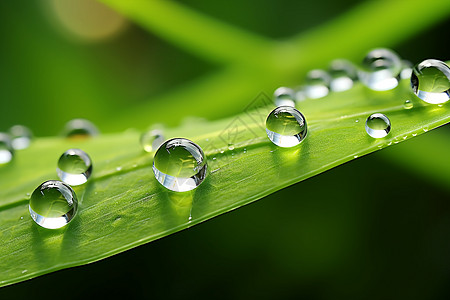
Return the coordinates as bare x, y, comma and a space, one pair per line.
375, 228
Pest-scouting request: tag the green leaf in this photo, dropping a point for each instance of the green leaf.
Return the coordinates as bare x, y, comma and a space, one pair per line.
123, 206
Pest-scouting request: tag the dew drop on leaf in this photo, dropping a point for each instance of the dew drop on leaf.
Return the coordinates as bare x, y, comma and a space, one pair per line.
430, 81
408, 104
6, 149
180, 165
380, 69
74, 167
53, 204
286, 126
21, 137
342, 74
317, 84
378, 125
151, 140
284, 96
79, 129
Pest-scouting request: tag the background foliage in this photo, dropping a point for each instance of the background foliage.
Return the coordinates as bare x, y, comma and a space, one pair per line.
376, 226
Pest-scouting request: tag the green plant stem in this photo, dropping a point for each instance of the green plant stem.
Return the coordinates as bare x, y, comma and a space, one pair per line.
200, 34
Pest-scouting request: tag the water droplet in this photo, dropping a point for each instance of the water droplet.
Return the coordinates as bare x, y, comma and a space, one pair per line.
80, 128
317, 83
378, 125
245, 150
230, 147
151, 140
180, 165
53, 204
408, 104
21, 137
430, 81
357, 121
343, 75
24, 271
74, 167
406, 71
425, 129
6, 149
286, 126
284, 96
119, 169
214, 158
414, 134
21, 218
380, 69
355, 156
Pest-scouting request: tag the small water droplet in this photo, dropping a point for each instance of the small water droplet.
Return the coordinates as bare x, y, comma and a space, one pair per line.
74, 167
119, 169
221, 151
21, 137
430, 81
414, 134
406, 71
390, 143
380, 69
151, 140
284, 96
21, 218
425, 129
207, 140
53, 204
286, 126
28, 194
378, 125
355, 156
343, 75
230, 147
405, 137
180, 165
24, 271
357, 121
408, 104
245, 150
6, 149
317, 84
80, 128
214, 158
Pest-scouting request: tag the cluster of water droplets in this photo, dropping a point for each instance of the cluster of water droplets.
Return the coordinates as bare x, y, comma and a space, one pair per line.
54, 203
180, 164
380, 70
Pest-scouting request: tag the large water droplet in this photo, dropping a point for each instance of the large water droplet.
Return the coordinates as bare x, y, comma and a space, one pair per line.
180, 165
74, 167
284, 96
317, 84
80, 128
20, 137
343, 75
430, 81
53, 204
151, 140
378, 125
286, 126
380, 69
6, 149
